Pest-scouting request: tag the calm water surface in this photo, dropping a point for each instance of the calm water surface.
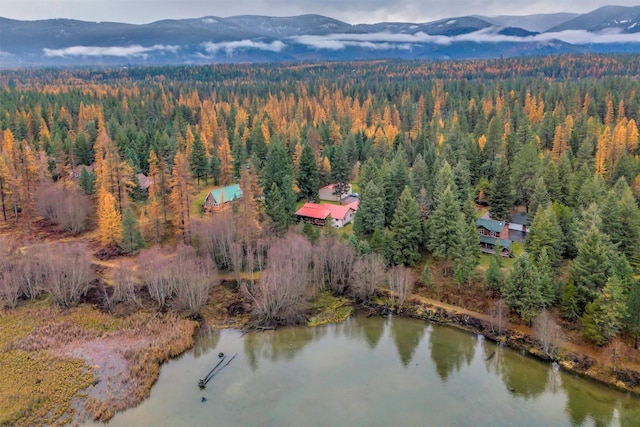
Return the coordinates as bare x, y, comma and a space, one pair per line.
372, 372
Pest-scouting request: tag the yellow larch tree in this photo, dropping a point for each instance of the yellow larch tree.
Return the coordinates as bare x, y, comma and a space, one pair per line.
224, 155
109, 219
181, 189
249, 208
159, 176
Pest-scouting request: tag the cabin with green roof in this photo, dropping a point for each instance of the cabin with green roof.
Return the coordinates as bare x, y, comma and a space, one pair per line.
219, 197
494, 234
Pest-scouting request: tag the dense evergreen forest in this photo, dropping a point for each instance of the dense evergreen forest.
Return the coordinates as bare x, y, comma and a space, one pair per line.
429, 146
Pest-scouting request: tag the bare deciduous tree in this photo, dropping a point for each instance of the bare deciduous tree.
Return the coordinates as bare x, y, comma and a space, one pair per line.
153, 266
184, 280
10, 291
217, 236
547, 332
67, 272
499, 317
367, 276
196, 278
401, 282
125, 283
339, 265
332, 265
280, 293
67, 207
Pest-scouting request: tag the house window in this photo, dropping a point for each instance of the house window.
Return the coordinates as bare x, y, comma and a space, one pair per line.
493, 234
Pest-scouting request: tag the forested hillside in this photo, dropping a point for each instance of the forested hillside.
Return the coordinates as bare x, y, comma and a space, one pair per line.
430, 147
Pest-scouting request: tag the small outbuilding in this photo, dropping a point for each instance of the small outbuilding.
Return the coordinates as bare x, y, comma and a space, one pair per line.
327, 193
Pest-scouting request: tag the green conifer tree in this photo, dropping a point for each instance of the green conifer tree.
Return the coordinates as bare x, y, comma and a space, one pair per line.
132, 239
407, 230
521, 291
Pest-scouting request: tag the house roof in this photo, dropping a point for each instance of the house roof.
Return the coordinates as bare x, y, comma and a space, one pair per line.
144, 181
354, 205
313, 210
226, 194
78, 169
338, 211
321, 211
491, 224
519, 218
494, 241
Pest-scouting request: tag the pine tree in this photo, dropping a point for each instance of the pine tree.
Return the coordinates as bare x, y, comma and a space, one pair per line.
525, 170
398, 179
443, 179
340, 172
630, 233
370, 214
604, 318
521, 291
493, 276
552, 182
540, 198
239, 155
279, 170
547, 282
307, 178
633, 307
109, 219
545, 234
407, 230
131, 239
214, 168
425, 276
276, 209
198, 159
589, 270
442, 234
501, 195
87, 181
419, 175
569, 304
466, 253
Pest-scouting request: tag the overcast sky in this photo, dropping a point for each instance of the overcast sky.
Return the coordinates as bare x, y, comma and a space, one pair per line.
352, 11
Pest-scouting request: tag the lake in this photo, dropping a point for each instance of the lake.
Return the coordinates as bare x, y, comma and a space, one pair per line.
372, 372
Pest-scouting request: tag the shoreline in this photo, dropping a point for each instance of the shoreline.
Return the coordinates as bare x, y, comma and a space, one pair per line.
624, 380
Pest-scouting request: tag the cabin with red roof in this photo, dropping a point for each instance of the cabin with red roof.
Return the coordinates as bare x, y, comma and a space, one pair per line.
319, 214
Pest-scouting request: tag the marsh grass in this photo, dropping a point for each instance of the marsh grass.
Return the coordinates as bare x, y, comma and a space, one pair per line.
43, 382
327, 308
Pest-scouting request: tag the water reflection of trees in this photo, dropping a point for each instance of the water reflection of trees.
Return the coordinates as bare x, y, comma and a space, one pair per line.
520, 378
205, 341
517, 373
407, 336
368, 329
450, 349
282, 344
593, 403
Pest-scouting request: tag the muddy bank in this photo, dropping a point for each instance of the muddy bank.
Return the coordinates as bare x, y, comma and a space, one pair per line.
569, 360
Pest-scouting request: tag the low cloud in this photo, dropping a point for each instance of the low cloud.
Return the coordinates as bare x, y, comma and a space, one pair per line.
121, 51
230, 47
382, 41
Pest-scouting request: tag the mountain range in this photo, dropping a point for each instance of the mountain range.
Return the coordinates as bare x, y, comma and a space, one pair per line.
250, 38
